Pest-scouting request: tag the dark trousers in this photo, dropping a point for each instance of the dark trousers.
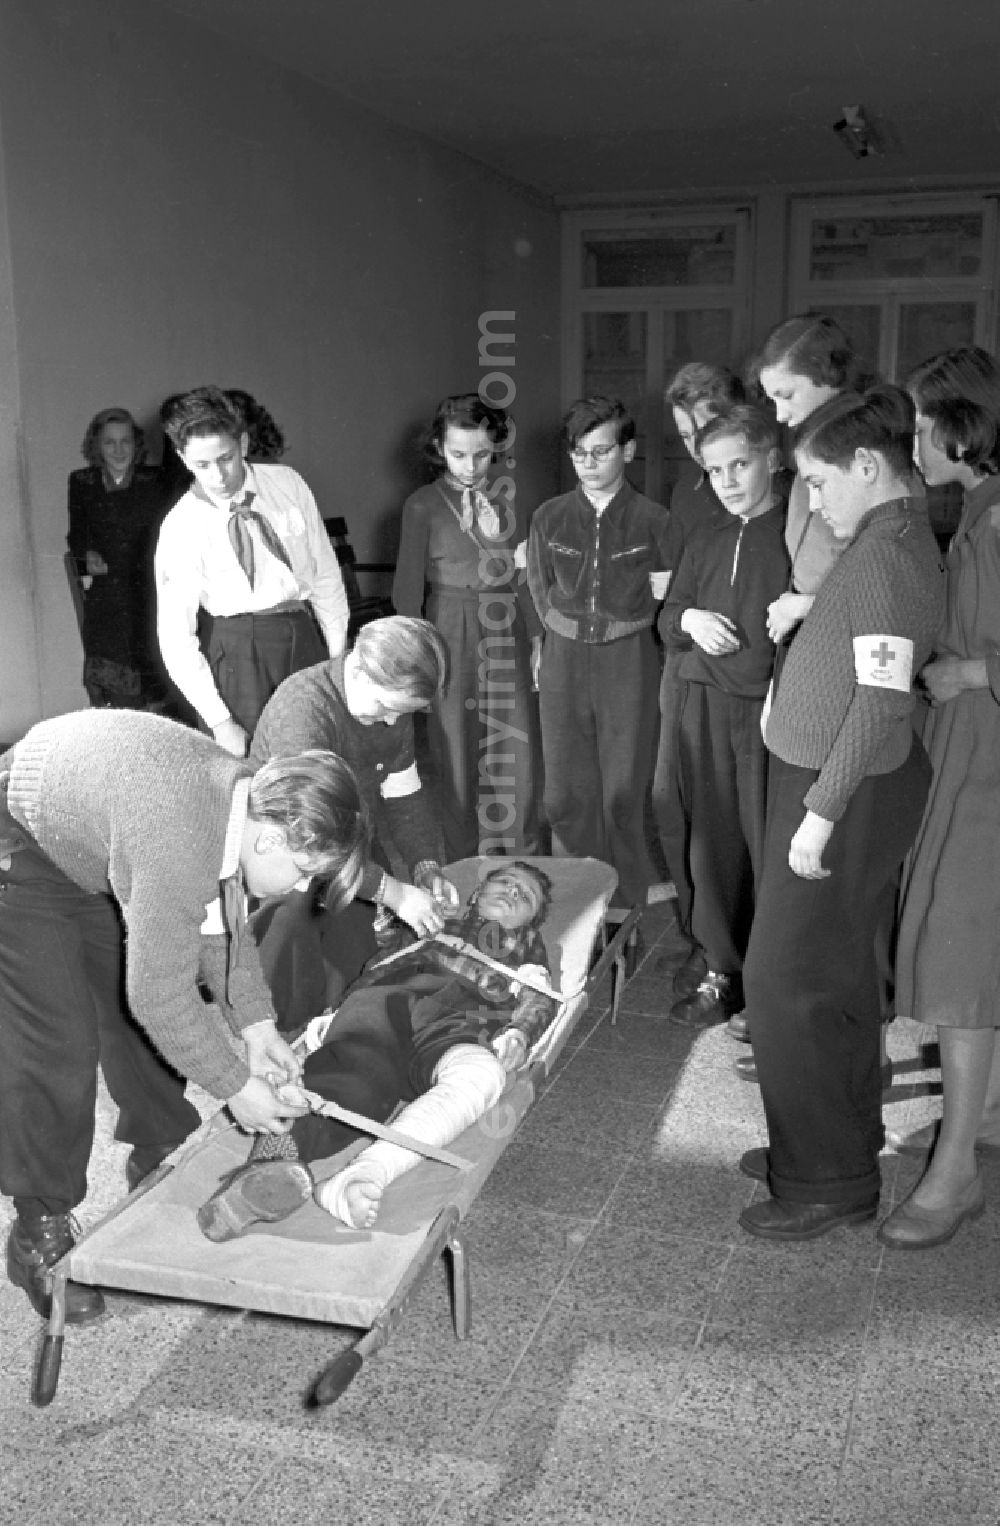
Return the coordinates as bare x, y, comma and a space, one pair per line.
61, 1012
310, 955
381, 1053
482, 731
599, 717
812, 986
723, 772
250, 655
668, 807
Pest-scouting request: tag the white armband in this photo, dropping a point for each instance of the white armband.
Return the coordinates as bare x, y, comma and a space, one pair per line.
884, 662
405, 782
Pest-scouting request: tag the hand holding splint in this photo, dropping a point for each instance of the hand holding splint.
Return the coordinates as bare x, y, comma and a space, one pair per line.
260, 1109
805, 854
267, 1052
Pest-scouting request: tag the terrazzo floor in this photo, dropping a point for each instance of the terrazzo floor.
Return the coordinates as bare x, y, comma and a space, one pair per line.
634, 1356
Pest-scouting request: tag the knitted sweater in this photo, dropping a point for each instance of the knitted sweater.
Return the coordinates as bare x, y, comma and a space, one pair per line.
309, 710
127, 802
839, 707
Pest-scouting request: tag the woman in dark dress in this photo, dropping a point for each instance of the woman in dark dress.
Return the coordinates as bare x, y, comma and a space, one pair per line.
116, 504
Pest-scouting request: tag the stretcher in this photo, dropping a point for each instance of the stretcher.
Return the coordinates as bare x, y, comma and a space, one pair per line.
309, 1266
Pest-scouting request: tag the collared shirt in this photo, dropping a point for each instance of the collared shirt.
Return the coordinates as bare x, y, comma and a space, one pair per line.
196, 568
589, 572
215, 921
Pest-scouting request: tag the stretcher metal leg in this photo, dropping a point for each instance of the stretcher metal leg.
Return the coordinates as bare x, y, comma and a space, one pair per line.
341, 1372
461, 1286
50, 1357
620, 951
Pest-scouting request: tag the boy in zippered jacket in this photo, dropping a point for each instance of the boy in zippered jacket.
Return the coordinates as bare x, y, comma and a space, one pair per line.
716, 616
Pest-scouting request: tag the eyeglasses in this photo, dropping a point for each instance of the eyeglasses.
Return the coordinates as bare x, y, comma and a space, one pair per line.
599, 453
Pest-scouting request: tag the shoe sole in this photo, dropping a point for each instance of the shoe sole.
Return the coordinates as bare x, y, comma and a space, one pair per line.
941, 1239
844, 1221
258, 1197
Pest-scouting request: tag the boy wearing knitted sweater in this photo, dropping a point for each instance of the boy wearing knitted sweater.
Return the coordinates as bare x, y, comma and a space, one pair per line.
848, 778
118, 819
716, 615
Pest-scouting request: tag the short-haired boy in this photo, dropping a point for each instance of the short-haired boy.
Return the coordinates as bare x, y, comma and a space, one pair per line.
590, 556
246, 577
716, 616
115, 821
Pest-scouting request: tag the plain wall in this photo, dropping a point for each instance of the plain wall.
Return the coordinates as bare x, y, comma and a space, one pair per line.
176, 210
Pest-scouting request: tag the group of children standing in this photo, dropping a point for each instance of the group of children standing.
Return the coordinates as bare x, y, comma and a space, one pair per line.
801, 622
797, 618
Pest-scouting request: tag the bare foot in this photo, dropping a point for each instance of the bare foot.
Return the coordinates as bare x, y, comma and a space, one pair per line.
353, 1198
362, 1201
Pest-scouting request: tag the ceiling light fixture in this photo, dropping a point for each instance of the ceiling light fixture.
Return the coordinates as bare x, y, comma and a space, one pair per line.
858, 133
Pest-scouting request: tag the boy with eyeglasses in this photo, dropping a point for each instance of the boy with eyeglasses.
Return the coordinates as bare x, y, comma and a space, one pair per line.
591, 555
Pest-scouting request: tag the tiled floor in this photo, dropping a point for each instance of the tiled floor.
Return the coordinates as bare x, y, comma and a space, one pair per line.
634, 1356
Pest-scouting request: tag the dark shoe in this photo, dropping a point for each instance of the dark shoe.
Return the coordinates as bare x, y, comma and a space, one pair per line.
692, 972
755, 1163
715, 1000
911, 1228
779, 1219
258, 1194
738, 1028
32, 1248
143, 1161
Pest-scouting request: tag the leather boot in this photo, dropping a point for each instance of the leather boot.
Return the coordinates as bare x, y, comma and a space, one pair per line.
33, 1246
716, 999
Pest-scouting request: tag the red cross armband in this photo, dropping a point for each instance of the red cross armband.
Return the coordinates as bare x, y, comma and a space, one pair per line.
884, 662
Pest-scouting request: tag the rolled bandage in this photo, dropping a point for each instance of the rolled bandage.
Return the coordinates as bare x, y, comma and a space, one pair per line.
467, 1081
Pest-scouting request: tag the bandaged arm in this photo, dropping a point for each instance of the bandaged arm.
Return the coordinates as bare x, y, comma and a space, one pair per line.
467, 1081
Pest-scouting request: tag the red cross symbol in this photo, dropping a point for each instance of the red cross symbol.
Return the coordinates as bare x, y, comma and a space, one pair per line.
883, 654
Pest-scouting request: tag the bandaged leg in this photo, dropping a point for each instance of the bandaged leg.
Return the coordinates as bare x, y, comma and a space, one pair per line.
468, 1079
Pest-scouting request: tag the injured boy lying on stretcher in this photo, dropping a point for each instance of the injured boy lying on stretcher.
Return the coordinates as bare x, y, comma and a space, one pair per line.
425, 1038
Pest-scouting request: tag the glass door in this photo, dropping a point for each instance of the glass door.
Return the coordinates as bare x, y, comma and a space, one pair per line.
645, 292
